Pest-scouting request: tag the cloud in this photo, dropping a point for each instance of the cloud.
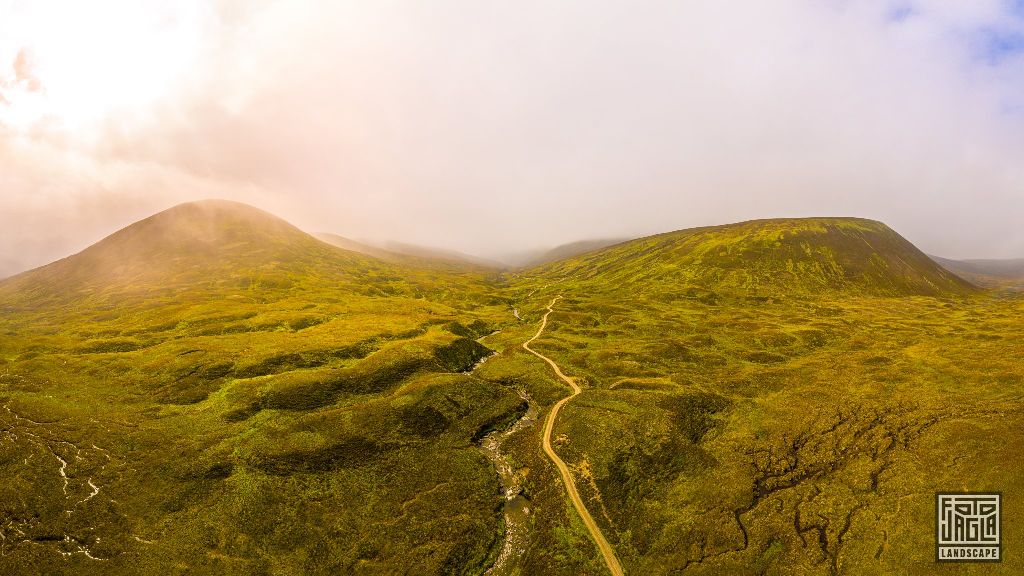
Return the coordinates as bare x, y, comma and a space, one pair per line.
24, 71
489, 127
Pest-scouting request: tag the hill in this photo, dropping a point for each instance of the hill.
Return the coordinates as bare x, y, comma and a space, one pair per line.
776, 396
767, 258
439, 254
409, 254
212, 242
413, 256
533, 258
212, 390
991, 273
353, 246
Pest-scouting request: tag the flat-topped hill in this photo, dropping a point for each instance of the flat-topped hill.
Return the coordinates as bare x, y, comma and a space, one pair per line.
792, 255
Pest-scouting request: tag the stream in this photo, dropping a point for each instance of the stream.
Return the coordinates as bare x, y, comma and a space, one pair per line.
517, 507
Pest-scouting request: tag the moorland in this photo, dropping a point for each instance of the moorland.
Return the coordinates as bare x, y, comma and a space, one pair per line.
212, 390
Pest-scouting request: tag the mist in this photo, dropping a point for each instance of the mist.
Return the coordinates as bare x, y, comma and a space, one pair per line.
500, 128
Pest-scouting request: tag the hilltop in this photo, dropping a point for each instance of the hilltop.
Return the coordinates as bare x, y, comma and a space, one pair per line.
767, 257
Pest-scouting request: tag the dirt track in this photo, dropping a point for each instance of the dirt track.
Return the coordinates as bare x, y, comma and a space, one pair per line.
570, 486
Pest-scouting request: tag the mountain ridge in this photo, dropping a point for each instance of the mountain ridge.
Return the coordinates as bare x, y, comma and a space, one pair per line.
219, 240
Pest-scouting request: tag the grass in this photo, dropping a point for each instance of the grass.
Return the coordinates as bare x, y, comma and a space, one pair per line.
765, 398
266, 405
249, 450
772, 429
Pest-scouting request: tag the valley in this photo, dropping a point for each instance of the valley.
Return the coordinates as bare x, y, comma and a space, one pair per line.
212, 390
570, 484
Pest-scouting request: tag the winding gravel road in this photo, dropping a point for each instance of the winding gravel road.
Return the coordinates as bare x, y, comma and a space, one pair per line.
570, 486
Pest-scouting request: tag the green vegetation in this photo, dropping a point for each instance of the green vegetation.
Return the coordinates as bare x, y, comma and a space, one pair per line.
766, 258
214, 391
246, 400
738, 420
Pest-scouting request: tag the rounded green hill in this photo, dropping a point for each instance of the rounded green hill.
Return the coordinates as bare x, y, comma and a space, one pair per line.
769, 258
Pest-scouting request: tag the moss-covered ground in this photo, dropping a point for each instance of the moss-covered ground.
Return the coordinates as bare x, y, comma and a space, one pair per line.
756, 401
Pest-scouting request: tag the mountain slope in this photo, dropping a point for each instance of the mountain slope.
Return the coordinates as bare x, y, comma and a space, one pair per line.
1005, 273
213, 391
539, 257
768, 257
577, 248
353, 246
207, 243
439, 254
412, 257
738, 381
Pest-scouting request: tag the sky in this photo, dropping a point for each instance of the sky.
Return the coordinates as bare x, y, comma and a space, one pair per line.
500, 127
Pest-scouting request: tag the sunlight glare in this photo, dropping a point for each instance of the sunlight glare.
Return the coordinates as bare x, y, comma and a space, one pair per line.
74, 65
